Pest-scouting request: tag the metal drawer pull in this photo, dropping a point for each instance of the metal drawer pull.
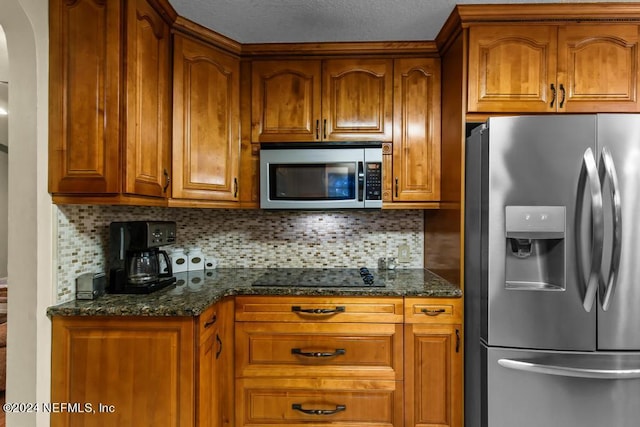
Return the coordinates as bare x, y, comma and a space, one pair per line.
298, 309
299, 352
298, 407
211, 321
435, 312
219, 341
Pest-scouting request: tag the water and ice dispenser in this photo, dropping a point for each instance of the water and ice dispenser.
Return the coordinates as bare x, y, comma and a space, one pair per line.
535, 248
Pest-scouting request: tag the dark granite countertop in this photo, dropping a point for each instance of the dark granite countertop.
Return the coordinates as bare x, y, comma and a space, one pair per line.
196, 291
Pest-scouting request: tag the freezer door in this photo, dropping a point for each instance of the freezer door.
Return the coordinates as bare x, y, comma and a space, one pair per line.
618, 326
533, 292
535, 388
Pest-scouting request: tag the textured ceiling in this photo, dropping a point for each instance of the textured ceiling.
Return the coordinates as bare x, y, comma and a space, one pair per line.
291, 21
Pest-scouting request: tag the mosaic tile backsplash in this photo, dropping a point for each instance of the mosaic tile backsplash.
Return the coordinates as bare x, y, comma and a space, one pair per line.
244, 238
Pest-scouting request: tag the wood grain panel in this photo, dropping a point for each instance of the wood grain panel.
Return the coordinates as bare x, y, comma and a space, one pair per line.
347, 309
598, 67
147, 101
84, 84
141, 367
511, 68
416, 142
433, 384
433, 310
286, 101
206, 140
357, 99
366, 402
360, 350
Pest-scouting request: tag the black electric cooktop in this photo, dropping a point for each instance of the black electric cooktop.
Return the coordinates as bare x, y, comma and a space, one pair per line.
319, 278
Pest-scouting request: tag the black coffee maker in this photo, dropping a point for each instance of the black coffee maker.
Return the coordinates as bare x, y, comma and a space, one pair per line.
136, 264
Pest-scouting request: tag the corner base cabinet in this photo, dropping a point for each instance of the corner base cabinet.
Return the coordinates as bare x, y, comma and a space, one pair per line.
144, 371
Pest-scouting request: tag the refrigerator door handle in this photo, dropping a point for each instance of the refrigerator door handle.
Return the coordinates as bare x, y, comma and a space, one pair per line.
567, 371
607, 169
589, 171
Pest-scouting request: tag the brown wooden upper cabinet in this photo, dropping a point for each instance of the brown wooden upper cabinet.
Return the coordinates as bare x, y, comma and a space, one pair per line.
109, 105
206, 122
553, 68
416, 131
330, 100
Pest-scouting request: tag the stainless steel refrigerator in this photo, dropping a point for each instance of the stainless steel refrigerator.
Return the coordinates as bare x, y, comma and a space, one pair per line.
552, 272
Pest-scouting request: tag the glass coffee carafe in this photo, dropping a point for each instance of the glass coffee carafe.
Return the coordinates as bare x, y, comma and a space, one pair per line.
143, 266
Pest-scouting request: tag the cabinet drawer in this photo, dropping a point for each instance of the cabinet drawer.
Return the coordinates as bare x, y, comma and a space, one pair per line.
433, 310
319, 349
319, 309
267, 402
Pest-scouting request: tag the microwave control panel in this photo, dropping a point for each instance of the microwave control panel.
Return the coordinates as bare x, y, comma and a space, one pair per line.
373, 180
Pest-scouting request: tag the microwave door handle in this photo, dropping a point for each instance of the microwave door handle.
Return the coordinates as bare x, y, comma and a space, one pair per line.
360, 181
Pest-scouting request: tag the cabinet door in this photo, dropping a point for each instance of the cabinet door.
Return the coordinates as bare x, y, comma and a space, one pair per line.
598, 68
286, 101
215, 379
511, 68
142, 368
206, 140
207, 407
84, 84
357, 99
147, 101
416, 130
433, 375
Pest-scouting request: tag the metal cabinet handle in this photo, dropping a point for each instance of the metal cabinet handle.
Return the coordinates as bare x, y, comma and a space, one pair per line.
317, 129
553, 92
298, 407
337, 352
457, 340
589, 171
211, 321
167, 181
219, 341
430, 312
607, 169
235, 187
298, 309
324, 131
564, 94
567, 371
396, 186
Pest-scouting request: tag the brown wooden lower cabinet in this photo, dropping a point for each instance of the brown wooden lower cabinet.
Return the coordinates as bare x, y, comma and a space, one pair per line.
140, 370
374, 362
433, 362
145, 371
433, 385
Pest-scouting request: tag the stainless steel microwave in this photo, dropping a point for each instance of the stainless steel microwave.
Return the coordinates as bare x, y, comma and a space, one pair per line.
321, 175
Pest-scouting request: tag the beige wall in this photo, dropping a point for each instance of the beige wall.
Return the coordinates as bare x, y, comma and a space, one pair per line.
4, 135
30, 236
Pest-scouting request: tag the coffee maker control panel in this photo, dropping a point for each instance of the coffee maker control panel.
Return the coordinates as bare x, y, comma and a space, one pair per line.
161, 233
